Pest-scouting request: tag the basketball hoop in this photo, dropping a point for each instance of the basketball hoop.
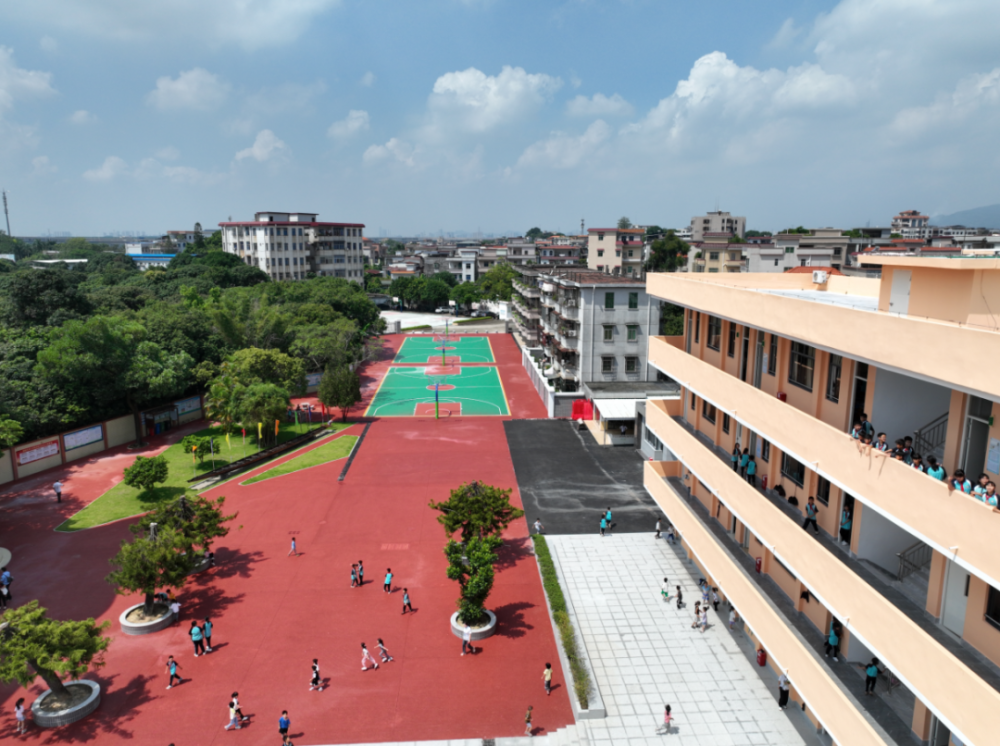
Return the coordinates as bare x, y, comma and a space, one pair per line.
437, 382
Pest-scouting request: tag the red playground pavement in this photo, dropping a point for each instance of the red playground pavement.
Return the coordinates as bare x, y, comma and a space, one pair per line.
274, 613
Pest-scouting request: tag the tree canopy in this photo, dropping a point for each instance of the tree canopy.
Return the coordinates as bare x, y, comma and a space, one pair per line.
624, 222
145, 564
476, 510
340, 387
497, 283
667, 254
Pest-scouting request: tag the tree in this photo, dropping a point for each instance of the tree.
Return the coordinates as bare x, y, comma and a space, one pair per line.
33, 645
477, 510
42, 297
497, 283
197, 444
321, 346
667, 254
623, 223
466, 294
145, 564
755, 234
254, 365
199, 238
435, 294
472, 566
374, 284
446, 277
223, 401
261, 404
653, 231
671, 320
533, 233
197, 519
144, 472
340, 387
10, 432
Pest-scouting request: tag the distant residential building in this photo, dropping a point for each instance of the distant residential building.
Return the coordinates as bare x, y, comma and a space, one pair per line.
181, 239
716, 254
821, 247
615, 251
717, 222
290, 245
911, 224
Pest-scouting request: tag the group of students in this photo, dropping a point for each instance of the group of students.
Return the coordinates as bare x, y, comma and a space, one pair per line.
744, 464
983, 489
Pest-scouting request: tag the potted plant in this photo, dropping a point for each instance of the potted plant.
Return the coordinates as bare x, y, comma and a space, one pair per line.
60, 652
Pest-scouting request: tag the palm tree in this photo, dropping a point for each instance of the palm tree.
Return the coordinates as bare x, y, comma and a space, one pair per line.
223, 401
263, 403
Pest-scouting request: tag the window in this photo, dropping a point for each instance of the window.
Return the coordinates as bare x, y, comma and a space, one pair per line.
631, 252
633, 301
789, 249
713, 256
692, 401
607, 365
609, 300
793, 469
775, 262
600, 236
697, 326
823, 490
708, 411
651, 440
993, 607
633, 332
765, 450
833, 378
725, 423
772, 357
714, 338
600, 252
631, 365
731, 347
801, 362
618, 252
609, 333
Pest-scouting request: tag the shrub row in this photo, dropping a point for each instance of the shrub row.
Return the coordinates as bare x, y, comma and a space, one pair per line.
550, 581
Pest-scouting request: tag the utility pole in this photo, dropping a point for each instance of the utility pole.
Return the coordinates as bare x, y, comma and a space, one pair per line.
5, 212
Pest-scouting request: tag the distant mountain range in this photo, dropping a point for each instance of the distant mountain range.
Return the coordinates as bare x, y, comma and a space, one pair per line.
978, 217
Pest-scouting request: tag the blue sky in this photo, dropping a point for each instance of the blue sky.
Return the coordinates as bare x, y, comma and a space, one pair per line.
496, 115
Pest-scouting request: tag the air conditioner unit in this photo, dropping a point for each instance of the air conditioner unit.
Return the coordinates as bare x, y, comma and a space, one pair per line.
820, 277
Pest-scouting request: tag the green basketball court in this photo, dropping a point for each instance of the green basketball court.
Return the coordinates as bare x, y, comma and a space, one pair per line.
458, 350
409, 392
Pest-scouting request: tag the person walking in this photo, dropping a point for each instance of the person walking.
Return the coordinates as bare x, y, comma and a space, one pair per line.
539, 528
236, 706
406, 601
703, 619
744, 461
715, 599
845, 526
175, 609
670, 533
22, 723
657, 535
294, 550
315, 682
680, 598
697, 614
735, 457
197, 637
387, 584
833, 643
172, 667
366, 658
667, 717
383, 652
58, 488
604, 524
871, 677
467, 640
527, 722
547, 678
608, 518
4, 597
233, 720
752, 472
284, 723
782, 692
206, 630
733, 617
665, 591
811, 512
361, 574
354, 576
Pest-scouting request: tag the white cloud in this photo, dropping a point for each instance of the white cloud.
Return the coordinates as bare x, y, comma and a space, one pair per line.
566, 151
112, 167
151, 168
478, 102
48, 44
367, 80
355, 121
394, 149
82, 116
168, 153
788, 33
193, 89
264, 148
969, 97
42, 166
598, 106
285, 97
18, 83
252, 25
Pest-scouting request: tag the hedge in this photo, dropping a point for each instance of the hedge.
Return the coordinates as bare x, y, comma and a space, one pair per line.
550, 581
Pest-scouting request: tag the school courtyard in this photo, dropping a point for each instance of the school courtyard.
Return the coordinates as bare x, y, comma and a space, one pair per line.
274, 613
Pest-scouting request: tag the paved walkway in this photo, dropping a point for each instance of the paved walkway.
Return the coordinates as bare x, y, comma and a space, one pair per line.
646, 655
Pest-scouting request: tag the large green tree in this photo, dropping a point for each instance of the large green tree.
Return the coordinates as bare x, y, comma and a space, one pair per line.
10, 432
471, 565
254, 365
146, 473
340, 387
32, 644
667, 254
466, 294
476, 510
145, 564
261, 404
39, 297
321, 346
497, 283
199, 520
624, 223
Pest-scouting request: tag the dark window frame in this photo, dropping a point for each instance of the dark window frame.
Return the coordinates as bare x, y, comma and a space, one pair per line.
725, 423
609, 301
713, 333
835, 363
633, 361
823, 490
707, 407
787, 463
697, 327
731, 345
801, 365
607, 364
992, 614
633, 301
772, 359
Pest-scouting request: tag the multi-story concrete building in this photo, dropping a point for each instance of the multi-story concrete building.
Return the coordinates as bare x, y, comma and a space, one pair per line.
558, 250
616, 251
180, 240
822, 247
716, 254
911, 224
290, 245
717, 222
903, 566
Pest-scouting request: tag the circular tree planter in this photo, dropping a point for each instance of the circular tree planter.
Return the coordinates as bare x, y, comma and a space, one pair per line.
144, 628
47, 718
478, 633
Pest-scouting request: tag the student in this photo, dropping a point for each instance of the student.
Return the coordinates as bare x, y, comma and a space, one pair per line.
206, 630
735, 457
315, 682
284, 723
715, 599
704, 593
833, 643
744, 461
406, 601
665, 591
383, 652
856, 432
733, 617
527, 722
538, 526
604, 524
680, 598
670, 534
467, 640
547, 678
979, 488
881, 444
908, 449
607, 516
197, 638
172, 667
752, 472
657, 534
237, 708
361, 574
58, 488
960, 483
354, 576
990, 495
366, 658
782, 692
294, 550
22, 724
867, 428
935, 470
697, 614
233, 721
845, 526
917, 462
871, 677
667, 719
4, 596
703, 619
175, 609
387, 583
6, 578
811, 512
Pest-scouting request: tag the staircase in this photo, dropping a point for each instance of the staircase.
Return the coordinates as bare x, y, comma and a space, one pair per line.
929, 439
913, 559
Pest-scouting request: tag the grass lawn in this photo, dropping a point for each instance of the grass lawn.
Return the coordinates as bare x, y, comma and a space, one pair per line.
335, 449
122, 501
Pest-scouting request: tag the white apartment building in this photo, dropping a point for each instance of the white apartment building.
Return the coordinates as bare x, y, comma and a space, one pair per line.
717, 222
289, 245
911, 224
181, 239
615, 251
821, 247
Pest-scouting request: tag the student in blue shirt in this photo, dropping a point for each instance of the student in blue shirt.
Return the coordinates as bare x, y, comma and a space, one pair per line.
811, 512
284, 723
934, 469
857, 431
752, 472
867, 428
604, 524
744, 460
735, 457
990, 495
917, 462
833, 642
845, 526
607, 516
387, 585
206, 630
871, 677
881, 443
959, 482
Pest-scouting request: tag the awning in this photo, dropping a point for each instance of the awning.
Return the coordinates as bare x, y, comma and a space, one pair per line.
616, 409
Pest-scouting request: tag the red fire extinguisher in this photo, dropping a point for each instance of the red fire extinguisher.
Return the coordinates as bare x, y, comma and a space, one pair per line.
763, 482
757, 564
761, 657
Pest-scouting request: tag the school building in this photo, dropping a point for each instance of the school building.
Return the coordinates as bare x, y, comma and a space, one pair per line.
784, 365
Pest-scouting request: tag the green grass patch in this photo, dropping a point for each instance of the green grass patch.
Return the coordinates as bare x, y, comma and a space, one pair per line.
550, 581
473, 322
415, 328
122, 501
335, 449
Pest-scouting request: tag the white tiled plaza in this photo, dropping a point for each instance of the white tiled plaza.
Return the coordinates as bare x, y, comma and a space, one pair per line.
645, 653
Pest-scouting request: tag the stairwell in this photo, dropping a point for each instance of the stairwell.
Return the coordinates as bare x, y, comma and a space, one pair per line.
929, 439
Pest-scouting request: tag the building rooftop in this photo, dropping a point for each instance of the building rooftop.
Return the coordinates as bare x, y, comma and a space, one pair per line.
582, 276
631, 389
857, 302
809, 270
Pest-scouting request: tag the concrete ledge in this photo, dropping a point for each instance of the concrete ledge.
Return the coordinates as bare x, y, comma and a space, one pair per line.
477, 634
70, 714
597, 710
144, 628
